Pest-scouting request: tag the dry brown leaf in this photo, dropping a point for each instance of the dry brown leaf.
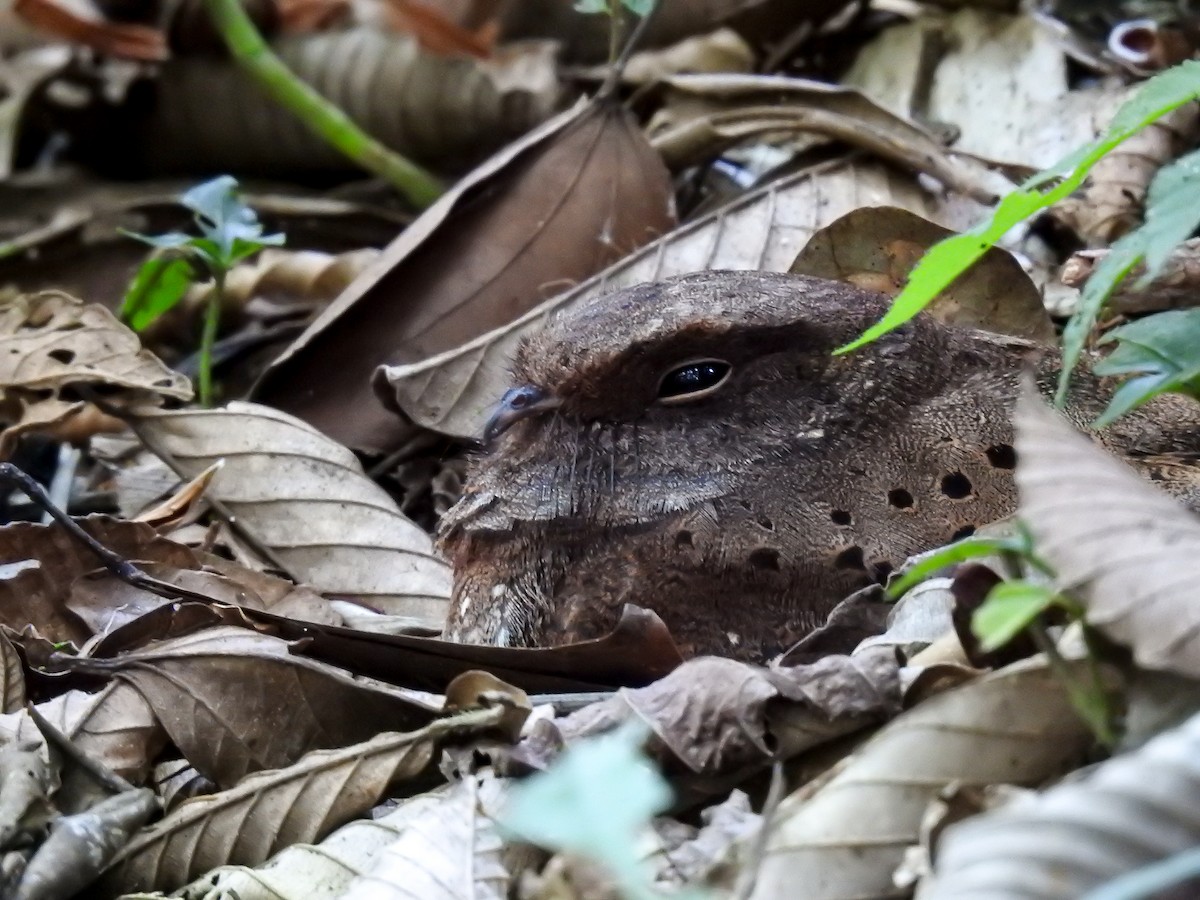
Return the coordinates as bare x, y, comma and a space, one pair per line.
23, 74
174, 510
454, 391
1176, 286
234, 701
844, 837
52, 341
268, 811
1130, 552
450, 851
444, 111
1134, 810
12, 677
720, 717
876, 247
704, 115
307, 499
721, 51
548, 211
43, 561
1110, 202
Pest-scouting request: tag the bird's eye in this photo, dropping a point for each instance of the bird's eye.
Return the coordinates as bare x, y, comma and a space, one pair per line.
693, 380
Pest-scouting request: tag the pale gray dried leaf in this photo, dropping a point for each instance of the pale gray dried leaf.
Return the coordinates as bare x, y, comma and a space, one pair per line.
307, 499
453, 392
1130, 552
843, 838
1127, 813
12, 677
27, 780
80, 846
719, 716
268, 811
452, 851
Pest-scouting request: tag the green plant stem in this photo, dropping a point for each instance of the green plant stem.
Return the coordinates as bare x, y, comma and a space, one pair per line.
322, 117
208, 338
1090, 700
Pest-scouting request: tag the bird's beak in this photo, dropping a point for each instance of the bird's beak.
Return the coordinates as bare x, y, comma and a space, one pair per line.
517, 403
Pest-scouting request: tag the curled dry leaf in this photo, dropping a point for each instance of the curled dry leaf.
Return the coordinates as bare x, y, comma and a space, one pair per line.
42, 561
268, 811
450, 851
308, 500
706, 114
445, 111
454, 391
235, 701
1129, 812
52, 341
12, 677
552, 209
720, 717
1110, 202
79, 846
844, 837
1176, 286
876, 247
1130, 552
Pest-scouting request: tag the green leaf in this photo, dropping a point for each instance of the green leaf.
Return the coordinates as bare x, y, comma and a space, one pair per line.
595, 801
591, 7
225, 220
640, 8
1020, 544
160, 283
1172, 211
172, 240
1162, 351
947, 260
1009, 609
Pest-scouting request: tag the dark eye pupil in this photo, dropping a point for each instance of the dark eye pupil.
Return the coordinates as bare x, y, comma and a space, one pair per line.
692, 377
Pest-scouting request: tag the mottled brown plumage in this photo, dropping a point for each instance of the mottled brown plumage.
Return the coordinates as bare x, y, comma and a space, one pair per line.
743, 516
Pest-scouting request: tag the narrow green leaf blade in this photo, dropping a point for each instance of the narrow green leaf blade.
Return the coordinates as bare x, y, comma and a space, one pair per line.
1009, 609
158, 286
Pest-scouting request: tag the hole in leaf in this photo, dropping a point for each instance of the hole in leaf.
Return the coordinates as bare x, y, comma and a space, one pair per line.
850, 558
900, 498
63, 356
1002, 456
764, 558
956, 485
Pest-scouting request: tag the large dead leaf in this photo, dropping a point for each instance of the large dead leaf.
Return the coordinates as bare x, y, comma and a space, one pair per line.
307, 499
1128, 551
843, 838
234, 701
719, 717
50, 342
876, 247
454, 391
40, 563
1130, 812
271, 810
549, 211
706, 114
445, 111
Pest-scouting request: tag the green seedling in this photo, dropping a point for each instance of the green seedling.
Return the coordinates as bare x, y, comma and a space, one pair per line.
229, 232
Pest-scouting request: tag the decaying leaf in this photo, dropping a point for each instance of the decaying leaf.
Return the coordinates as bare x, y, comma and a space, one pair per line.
717, 716
876, 247
12, 677
1176, 286
843, 837
454, 391
42, 561
268, 811
234, 701
549, 211
451, 851
81, 23
1129, 812
706, 114
22, 75
445, 111
307, 499
50, 342
1130, 552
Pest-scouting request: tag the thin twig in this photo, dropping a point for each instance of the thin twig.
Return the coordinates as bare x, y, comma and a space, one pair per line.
121, 568
613, 79
749, 874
